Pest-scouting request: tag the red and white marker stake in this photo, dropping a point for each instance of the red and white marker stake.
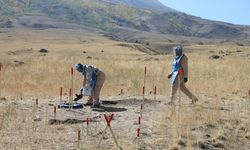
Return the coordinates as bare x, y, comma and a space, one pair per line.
70, 95
36, 102
145, 76
139, 121
249, 95
61, 91
121, 92
36, 106
0, 79
108, 121
155, 93
143, 99
87, 121
138, 130
90, 119
143, 93
143, 89
54, 112
72, 84
70, 92
78, 137
139, 126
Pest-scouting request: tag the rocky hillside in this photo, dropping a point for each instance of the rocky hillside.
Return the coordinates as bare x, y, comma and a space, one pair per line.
107, 15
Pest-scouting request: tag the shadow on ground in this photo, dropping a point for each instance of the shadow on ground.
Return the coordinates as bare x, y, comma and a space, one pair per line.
109, 109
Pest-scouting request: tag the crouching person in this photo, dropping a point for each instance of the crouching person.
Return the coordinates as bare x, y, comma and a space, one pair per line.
93, 80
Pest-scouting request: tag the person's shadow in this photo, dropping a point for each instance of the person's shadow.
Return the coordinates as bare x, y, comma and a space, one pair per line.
108, 109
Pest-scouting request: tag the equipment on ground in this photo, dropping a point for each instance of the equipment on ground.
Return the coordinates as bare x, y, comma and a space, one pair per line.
73, 105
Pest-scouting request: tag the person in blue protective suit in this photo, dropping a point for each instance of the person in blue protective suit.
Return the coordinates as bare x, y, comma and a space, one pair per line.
93, 78
179, 75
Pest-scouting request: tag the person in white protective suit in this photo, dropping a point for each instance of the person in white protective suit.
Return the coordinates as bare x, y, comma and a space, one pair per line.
93, 80
179, 75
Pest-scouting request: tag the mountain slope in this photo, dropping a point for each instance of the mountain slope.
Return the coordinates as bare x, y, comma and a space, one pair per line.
182, 24
114, 14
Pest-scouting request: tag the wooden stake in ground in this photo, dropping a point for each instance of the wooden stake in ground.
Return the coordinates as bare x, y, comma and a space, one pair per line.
0, 80
108, 121
139, 126
155, 93
72, 82
87, 122
35, 109
143, 90
248, 104
54, 112
121, 93
144, 81
61, 96
36, 102
249, 95
72, 87
138, 131
143, 98
70, 101
87, 132
78, 138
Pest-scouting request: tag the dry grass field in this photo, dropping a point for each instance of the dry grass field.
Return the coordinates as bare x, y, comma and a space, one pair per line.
220, 120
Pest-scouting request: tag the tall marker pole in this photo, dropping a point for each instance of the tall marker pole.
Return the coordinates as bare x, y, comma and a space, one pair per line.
60, 96
121, 93
35, 107
144, 81
72, 85
248, 104
142, 104
78, 138
143, 90
0, 80
138, 131
54, 112
70, 100
36, 102
155, 93
249, 96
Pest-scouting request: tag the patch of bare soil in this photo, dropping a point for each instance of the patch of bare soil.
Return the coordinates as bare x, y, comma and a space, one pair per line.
181, 126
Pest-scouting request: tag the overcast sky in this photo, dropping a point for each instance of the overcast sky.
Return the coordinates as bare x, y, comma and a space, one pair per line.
232, 11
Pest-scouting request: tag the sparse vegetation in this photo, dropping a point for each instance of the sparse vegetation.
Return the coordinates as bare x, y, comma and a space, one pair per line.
217, 121
128, 41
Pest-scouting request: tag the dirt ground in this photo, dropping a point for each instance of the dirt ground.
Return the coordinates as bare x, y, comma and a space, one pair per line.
205, 125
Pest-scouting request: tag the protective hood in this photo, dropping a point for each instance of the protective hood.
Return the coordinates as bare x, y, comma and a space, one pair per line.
177, 51
79, 67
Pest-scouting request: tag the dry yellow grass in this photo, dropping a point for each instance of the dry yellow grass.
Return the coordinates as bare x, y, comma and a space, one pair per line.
42, 76
45, 75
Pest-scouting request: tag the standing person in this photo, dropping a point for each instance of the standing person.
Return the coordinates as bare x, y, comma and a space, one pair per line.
179, 75
94, 79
